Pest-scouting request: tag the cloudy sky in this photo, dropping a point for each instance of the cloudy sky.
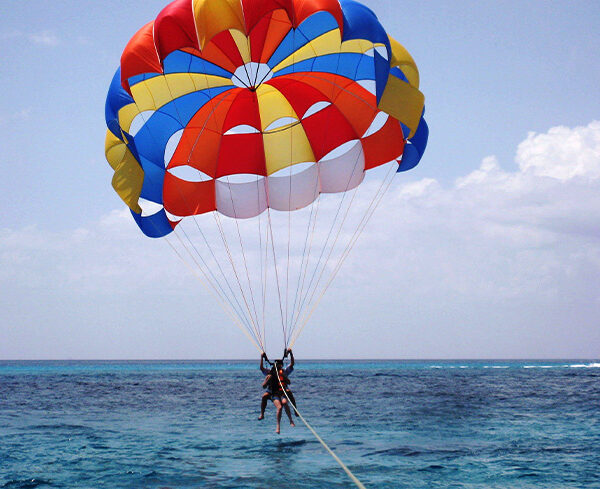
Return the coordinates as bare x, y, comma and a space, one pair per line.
489, 249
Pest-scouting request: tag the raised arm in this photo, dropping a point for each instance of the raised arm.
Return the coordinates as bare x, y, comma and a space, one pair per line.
264, 369
291, 354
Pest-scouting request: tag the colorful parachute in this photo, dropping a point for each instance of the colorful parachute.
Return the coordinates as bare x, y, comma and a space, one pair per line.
247, 106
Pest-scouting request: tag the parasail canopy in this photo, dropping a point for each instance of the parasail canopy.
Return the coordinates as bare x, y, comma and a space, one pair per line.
237, 112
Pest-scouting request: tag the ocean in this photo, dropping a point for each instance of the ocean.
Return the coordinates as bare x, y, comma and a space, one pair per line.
396, 424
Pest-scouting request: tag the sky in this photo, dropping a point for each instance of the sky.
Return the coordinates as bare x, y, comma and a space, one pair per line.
490, 248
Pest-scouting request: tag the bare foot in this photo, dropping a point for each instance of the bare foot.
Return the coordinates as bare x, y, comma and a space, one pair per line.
277, 430
262, 416
292, 424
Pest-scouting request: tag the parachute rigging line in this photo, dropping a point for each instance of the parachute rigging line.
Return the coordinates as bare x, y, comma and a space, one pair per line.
328, 237
237, 225
253, 319
218, 284
214, 289
363, 223
231, 261
301, 275
276, 273
242, 317
254, 327
324, 267
218, 265
263, 264
233, 317
334, 87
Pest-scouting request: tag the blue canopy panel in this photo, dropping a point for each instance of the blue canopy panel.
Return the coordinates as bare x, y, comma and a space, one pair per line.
354, 66
153, 174
142, 77
405, 130
361, 23
182, 62
382, 70
314, 26
154, 135
398, 73
154, 226
116, 99
154, 177
415, 146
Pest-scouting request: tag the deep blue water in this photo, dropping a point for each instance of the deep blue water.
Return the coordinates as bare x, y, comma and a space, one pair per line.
426, 424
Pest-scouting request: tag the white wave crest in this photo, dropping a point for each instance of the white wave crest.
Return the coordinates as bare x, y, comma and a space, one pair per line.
584, 365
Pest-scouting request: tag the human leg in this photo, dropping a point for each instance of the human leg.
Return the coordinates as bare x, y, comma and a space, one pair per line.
292, 399
286, 406
263, 405
277, 403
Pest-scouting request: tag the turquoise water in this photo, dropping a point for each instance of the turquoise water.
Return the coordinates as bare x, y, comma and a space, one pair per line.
422, 424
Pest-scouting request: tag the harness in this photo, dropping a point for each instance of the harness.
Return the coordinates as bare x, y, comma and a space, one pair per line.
276, 377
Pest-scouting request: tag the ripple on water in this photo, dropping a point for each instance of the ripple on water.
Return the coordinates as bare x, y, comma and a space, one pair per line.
178, 426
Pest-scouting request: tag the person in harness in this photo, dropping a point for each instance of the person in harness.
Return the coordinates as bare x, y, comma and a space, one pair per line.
276, 385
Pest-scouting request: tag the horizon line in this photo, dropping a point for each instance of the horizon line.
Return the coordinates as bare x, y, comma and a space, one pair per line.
412, 359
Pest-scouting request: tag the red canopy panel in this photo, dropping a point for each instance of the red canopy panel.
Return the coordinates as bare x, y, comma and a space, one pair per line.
139, 56
174, 28
183, 198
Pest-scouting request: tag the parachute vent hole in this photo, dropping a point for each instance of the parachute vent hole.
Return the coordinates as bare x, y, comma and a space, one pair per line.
251, 75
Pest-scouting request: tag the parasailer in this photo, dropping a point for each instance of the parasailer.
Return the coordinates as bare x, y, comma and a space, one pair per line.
277, 381
258, 137
276, 384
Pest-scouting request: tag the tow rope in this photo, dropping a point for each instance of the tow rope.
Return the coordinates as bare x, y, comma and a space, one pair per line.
335, 457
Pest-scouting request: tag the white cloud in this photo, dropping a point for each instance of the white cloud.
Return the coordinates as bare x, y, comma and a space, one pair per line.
549, 207
562, 153
516, 251
19, 116
508, 255
46, 38
99, 258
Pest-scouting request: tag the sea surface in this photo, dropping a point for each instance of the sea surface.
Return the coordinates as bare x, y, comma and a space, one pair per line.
396, 424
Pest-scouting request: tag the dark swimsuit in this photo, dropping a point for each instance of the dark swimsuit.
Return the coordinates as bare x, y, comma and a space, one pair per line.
275, 387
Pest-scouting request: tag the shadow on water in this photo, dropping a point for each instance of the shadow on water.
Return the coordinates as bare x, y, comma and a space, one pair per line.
27, 484
289, 445
278, 447
417, 452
